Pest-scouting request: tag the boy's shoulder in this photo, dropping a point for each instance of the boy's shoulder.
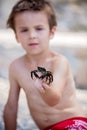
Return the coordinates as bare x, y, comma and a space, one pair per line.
60, 58
61, 63
17, 61
15, 64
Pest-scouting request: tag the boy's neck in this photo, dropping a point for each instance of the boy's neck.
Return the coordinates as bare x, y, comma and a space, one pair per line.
39, 60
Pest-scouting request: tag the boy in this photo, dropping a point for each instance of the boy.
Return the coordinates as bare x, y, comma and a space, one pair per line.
34, 24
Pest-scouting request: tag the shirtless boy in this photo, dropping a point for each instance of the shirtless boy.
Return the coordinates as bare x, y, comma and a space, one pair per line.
34, 24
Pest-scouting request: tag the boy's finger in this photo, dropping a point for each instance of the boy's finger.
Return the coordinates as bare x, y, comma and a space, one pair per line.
45, 86
38, 85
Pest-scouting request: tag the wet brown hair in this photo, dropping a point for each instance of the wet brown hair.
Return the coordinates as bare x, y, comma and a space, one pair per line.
32, 5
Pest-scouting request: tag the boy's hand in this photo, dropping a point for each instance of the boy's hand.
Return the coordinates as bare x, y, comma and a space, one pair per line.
41, 85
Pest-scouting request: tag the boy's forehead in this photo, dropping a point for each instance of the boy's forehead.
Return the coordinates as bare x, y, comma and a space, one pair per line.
27, 17
32, 17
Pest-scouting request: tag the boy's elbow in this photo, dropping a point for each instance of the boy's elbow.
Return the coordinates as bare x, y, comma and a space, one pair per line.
9, 117
9, 110
5, 111
54, 101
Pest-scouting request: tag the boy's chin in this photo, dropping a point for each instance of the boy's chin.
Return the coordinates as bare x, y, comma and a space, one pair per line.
35, 53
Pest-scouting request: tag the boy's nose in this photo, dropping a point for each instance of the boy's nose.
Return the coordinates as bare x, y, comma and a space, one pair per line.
32, 34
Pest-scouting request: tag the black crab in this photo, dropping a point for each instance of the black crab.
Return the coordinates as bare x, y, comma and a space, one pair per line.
44, 75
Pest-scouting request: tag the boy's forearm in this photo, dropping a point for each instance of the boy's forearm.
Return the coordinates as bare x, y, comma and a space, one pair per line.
51, 96
10, 119
9, 125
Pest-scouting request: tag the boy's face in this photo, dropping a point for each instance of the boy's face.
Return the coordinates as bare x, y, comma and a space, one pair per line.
33, 31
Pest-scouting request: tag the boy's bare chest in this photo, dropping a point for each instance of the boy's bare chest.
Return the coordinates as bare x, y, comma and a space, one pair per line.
24, 79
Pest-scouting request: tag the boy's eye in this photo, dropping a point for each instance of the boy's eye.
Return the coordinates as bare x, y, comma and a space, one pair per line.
39, 29
24, 30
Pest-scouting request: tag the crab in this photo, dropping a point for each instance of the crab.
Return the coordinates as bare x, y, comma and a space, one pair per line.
43, 74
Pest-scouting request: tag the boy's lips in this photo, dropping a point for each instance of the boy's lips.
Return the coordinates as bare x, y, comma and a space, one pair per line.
33, 44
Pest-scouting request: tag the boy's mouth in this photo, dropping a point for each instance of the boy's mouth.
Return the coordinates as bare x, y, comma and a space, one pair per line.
33, 44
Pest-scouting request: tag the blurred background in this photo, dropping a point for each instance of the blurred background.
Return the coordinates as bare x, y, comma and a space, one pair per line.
70, 40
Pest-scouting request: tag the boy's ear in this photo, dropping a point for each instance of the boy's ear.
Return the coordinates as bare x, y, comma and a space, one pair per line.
53, 31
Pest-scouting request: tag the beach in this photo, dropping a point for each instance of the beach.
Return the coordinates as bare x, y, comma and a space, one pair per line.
65, 43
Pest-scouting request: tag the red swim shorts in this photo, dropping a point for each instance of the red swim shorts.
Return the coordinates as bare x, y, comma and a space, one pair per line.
76, 123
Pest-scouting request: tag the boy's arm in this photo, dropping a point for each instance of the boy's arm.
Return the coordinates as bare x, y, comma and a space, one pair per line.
52, 93
10, 110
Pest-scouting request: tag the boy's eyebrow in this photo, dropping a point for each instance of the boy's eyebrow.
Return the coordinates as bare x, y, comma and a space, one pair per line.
20, 27
41, 25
